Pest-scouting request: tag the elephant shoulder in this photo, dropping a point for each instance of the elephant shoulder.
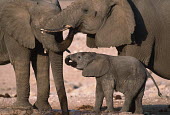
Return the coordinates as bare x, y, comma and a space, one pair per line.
15, 22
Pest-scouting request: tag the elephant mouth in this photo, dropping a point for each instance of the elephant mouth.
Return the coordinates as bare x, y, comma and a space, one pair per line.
79, 68
69, 62
86, 29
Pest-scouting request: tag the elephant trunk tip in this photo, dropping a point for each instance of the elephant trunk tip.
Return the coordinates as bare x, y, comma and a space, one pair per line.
67, 60
70, 62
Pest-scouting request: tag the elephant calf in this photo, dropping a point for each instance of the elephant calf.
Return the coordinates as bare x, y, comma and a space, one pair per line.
121, 73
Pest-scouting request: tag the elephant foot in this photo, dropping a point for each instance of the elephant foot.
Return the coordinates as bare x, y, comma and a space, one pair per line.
22, 105
140, 111
42, 106
110, 110
96, 110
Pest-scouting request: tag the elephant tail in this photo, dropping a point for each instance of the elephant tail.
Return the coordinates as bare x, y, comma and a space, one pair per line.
149, 76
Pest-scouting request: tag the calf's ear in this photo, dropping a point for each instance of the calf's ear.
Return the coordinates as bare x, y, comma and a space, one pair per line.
98, 67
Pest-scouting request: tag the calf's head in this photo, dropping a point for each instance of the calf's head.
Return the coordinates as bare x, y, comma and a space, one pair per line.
92, 64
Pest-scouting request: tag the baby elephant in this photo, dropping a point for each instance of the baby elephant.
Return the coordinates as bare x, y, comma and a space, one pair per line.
121, 73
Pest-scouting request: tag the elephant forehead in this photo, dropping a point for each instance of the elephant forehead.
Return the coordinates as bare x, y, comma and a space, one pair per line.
98, 5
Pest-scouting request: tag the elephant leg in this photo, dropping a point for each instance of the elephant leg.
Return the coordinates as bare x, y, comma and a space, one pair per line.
108, 94
99, 97
57, 69
132, 108
40, 64
127, 104
22, 72
20, 59
138, 103
130, 97
109, 100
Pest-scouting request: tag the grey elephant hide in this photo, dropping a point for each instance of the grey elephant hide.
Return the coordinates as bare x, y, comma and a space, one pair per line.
120, 73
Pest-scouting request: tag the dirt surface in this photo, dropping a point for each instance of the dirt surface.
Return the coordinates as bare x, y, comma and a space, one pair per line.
81, 90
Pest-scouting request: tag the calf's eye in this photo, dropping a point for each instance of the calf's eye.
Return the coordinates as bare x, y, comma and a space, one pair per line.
78, 57
85, 11
95, 14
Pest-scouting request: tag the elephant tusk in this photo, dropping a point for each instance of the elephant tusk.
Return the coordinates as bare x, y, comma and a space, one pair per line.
56, 30
45, 51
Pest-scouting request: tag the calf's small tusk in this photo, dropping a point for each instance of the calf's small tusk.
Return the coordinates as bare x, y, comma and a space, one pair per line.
42, 31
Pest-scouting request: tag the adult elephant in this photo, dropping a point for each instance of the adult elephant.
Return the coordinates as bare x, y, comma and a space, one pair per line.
138, 28
21, 43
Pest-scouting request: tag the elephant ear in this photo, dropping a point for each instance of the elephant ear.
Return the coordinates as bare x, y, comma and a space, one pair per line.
15, 22
98, 67
118, 26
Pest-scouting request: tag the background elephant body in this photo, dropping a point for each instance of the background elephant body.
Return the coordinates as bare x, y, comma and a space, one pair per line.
121, 73
151, 36
137, 28
21, 42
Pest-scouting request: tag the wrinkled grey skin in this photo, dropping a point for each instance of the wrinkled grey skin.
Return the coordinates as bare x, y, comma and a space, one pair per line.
21, 42
138, 28
121, 73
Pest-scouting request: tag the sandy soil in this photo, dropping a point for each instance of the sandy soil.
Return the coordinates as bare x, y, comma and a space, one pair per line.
81, 90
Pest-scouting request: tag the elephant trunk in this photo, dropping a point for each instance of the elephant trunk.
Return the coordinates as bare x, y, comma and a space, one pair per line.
57, 70
69, 16
67, 60
70, 62
67, 42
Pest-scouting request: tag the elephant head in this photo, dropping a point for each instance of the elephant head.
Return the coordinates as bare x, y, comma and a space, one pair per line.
92, 64
106, 22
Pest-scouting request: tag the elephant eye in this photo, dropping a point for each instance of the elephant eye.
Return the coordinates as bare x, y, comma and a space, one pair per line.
95, 14
78, 57
85, 10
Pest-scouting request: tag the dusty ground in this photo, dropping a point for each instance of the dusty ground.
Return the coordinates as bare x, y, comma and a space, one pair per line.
81, 90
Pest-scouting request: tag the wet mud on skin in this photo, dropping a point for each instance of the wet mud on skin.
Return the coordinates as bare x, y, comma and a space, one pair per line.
80, 90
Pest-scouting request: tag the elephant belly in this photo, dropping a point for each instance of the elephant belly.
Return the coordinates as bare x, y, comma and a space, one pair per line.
162, 69
161, 63
4, 58
4, 61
